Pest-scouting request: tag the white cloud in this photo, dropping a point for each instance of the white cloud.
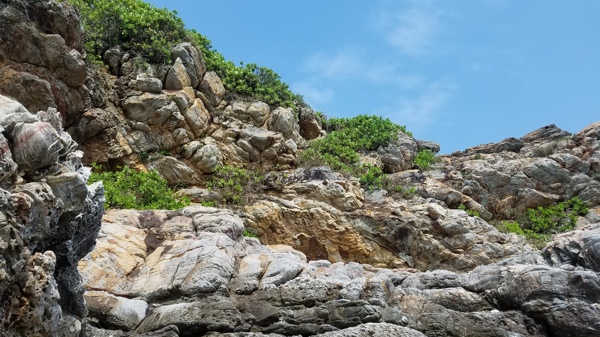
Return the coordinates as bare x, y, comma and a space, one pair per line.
352, 63
412, 30
423, 110
313, 92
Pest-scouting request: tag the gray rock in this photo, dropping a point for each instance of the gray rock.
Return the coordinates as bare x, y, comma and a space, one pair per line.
398, 155
212, 87
177, 78
207, 158
192, 61
428, 145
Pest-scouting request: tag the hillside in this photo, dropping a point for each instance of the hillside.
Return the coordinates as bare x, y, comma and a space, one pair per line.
229, 207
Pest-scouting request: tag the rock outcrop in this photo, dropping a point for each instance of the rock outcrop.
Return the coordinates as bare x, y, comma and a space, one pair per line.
192, 272
541, 168
333, 259
49, 219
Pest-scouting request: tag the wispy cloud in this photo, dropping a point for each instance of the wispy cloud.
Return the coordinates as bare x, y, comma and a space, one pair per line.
411, 29
354, 63
422, 110
314, 92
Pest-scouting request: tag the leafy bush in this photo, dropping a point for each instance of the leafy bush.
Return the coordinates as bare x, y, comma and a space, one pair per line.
246, 80
133, 24
151, 32
346, 138
470, 212
535, 239
555, 219
236, 185
130, 189
424, 159
542, 222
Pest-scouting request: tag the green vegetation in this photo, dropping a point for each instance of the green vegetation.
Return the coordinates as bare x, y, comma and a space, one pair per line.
556, 219
470, 212
348, 137
542, 222
133, 24
249, 234
151, 32
130, 189
236, 185
424, 159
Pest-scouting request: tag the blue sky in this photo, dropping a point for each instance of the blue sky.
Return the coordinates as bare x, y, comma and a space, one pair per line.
460, 73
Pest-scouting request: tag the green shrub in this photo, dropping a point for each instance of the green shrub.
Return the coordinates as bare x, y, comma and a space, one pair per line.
346, 138
130, 189
424, 159
535, 239
151, 32
247, 80
470, 212
542, 222
236, 185
555, 219
249, 234
133, 24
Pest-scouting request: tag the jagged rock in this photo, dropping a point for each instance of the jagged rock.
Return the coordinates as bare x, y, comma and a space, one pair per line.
112, 56
192, 61
174, 171
207, 158
398, 155
428, 145
273, 290
91, 331
41, 60
49, 220
177, 78
283, 120
310, 126
146, 84
213, 88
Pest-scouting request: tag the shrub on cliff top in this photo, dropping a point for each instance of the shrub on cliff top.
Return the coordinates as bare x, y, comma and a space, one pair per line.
133, 24
151, 32
346, 138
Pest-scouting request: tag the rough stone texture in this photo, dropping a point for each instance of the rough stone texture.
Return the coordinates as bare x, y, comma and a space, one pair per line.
398, 155
310, 126
41, 62
213, 88
192, 61
49, 220
543, 167
199, 274
177, 77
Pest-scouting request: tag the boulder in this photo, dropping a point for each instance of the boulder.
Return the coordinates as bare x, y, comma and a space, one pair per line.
284, 121
213, 88
192, 61
310, 125
177, 77
207, 158
398, 155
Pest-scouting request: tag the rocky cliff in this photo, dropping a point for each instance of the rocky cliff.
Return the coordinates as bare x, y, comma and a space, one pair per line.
331, 258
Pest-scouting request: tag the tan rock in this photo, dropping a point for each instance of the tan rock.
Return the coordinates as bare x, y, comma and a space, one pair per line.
177, 78
213, 88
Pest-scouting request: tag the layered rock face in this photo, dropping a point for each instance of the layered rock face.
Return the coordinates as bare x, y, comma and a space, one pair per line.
49, 220
191, 272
